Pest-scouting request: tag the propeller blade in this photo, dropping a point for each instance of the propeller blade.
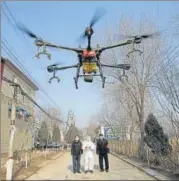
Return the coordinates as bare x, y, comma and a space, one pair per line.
57, 63
99, 13
123, 37
140, 36
81, 38
25, 30
126, 36
150, 35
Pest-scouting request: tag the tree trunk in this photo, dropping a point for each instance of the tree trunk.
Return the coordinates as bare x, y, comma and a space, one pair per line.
142, 154
131, 132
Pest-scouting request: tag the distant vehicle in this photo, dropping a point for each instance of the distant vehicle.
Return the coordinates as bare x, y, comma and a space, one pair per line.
55, 145
49, 145
39, 145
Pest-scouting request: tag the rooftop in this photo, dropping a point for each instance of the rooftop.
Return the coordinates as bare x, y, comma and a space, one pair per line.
16, 70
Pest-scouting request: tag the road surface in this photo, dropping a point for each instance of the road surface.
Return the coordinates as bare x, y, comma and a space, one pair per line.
61, 169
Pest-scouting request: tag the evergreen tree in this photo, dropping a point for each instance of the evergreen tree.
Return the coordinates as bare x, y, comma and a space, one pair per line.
43, 133
56, 134
71, 133
155, 137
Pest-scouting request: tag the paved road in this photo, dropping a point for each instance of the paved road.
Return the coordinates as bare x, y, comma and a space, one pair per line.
61, 169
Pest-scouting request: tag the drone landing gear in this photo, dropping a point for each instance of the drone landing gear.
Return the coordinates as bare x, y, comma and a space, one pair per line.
76, 82
134, 50
77, 76
103, 81
124, 75
54, 77
43, 52
101, 74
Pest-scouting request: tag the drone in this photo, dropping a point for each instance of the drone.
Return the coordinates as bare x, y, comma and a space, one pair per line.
89, 59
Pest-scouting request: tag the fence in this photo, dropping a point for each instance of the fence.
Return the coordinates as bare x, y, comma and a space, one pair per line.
130, 149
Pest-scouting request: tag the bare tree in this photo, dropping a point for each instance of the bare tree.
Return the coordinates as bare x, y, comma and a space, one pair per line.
93, 123
123, 110
141, 68
167, 86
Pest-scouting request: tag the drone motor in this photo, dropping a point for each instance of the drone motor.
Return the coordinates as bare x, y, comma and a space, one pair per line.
39, 42
137, 40
50, 69
89, 31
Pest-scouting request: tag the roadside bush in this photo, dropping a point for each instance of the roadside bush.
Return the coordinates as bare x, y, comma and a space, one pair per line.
155, 138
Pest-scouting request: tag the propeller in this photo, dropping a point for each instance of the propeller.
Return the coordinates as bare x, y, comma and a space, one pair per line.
137, 37
55, 64
25, 30
99, 13
50, 68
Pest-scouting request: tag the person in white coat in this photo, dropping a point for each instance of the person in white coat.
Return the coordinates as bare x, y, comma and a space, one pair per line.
88, 150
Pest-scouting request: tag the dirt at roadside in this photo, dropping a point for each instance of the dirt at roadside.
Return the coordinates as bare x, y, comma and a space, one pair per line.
37, 163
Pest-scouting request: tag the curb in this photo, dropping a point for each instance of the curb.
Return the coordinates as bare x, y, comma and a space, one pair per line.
148, 171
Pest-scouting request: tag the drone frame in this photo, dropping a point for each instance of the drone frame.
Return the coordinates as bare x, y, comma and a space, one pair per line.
54, 69
81, 54
79, 51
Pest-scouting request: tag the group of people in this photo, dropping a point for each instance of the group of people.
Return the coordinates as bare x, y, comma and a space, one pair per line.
88, 148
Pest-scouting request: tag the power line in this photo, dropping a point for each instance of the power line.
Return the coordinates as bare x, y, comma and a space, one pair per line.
25, 94
168, 61
14, 27
15, 57
9, 52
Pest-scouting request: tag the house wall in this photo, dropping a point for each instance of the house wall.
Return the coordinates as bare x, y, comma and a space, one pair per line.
8, 90
5, 125
23, 135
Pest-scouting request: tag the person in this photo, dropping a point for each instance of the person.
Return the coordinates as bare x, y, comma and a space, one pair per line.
102, 149
88, 150
76, 151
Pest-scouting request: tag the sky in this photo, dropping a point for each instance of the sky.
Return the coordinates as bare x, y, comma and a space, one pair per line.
62, 22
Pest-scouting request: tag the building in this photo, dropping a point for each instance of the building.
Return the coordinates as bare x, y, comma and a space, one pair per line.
70, 119
24, 108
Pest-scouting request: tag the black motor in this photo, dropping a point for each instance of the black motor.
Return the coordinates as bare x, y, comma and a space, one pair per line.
50, 68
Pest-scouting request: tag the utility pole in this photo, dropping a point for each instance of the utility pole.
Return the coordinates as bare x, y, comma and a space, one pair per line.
10, 160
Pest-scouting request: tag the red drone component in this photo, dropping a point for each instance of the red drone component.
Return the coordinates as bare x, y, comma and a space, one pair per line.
89, 53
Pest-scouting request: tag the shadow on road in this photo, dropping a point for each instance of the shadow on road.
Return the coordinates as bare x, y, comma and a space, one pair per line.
70, 167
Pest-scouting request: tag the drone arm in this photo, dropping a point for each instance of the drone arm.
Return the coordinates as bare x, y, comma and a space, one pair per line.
62, 47
121, 66
118, 45
66, 67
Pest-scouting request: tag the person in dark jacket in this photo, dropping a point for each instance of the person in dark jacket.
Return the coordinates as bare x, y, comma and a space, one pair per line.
76, 151
102, 149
